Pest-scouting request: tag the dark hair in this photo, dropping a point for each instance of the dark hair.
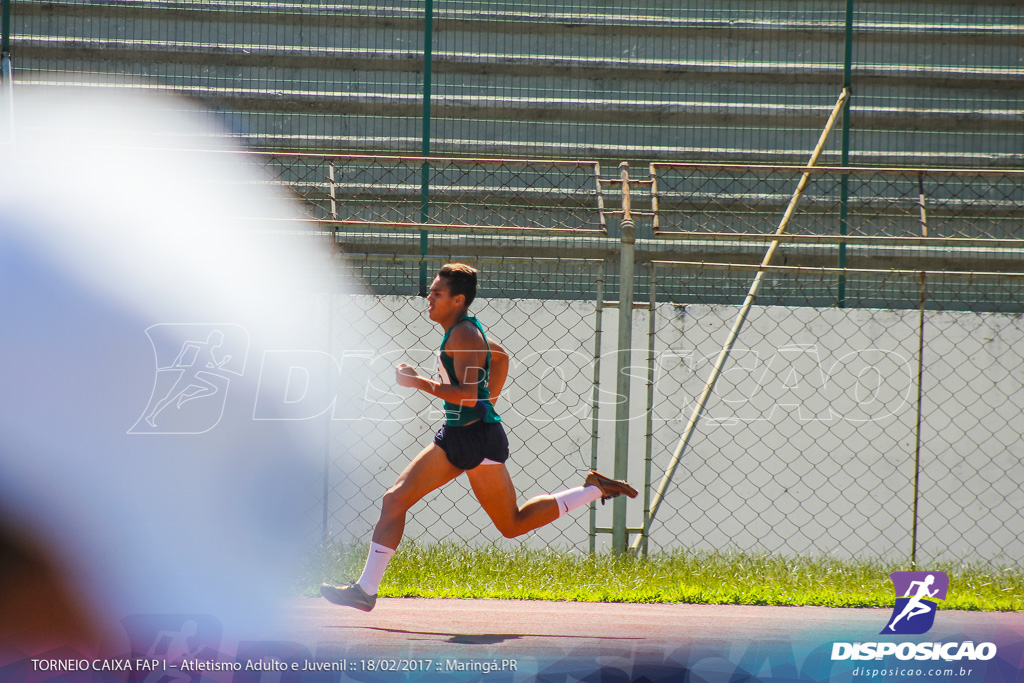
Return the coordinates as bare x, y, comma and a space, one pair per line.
461, 279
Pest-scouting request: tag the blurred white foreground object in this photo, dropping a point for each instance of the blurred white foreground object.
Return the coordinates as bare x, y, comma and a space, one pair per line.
138, 297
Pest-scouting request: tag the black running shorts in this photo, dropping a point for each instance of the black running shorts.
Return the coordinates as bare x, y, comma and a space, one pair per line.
468, 446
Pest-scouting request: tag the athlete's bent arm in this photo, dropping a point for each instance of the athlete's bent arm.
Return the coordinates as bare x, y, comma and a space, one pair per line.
499, 371
407, 376
467, 349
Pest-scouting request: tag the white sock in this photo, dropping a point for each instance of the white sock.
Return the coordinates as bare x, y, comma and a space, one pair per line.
575, 498
373, 571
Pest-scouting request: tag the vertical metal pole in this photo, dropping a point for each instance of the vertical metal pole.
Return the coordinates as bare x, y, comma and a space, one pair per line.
428, 50
844, 181
917, 445
596, 402
331, 282
920, 378
329, 423
5, 26
5, 32
6, 70
332, 191
625, 344
652, 332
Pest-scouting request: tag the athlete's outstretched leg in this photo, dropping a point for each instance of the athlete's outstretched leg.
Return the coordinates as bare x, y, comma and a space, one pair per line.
493, 487
427, 471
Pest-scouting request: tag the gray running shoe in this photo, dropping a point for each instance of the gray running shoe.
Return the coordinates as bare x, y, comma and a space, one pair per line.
610, 488
350, 595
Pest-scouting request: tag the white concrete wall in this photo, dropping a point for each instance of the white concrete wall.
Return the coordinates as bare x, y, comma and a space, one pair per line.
806, 446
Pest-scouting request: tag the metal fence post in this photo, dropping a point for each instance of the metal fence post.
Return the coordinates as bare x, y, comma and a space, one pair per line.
428, 50
6, 71
920, 379
5, 34
596, 403
625, 345
652, 337
329, 428
844, 181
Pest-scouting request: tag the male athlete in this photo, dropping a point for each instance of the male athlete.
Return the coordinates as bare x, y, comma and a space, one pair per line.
472, 440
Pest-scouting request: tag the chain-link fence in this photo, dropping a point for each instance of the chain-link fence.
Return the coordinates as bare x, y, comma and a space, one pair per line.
864, 431
847, 218
869, 202
870, 403
549, 197
870, 410
934, 83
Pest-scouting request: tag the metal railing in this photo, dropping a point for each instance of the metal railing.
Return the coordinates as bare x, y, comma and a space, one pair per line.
935, 83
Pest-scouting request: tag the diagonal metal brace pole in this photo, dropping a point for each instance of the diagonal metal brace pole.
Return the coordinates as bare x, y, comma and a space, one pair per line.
752, 294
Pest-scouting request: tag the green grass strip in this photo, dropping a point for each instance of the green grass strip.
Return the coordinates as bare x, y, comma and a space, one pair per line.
450, 570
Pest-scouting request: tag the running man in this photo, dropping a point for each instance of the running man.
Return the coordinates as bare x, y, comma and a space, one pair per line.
914, 605
472, 373
190, 383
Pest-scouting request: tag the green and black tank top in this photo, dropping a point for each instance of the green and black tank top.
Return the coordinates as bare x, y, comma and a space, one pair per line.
457, 415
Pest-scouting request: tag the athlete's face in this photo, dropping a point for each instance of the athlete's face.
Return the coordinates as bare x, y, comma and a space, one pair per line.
441, 305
